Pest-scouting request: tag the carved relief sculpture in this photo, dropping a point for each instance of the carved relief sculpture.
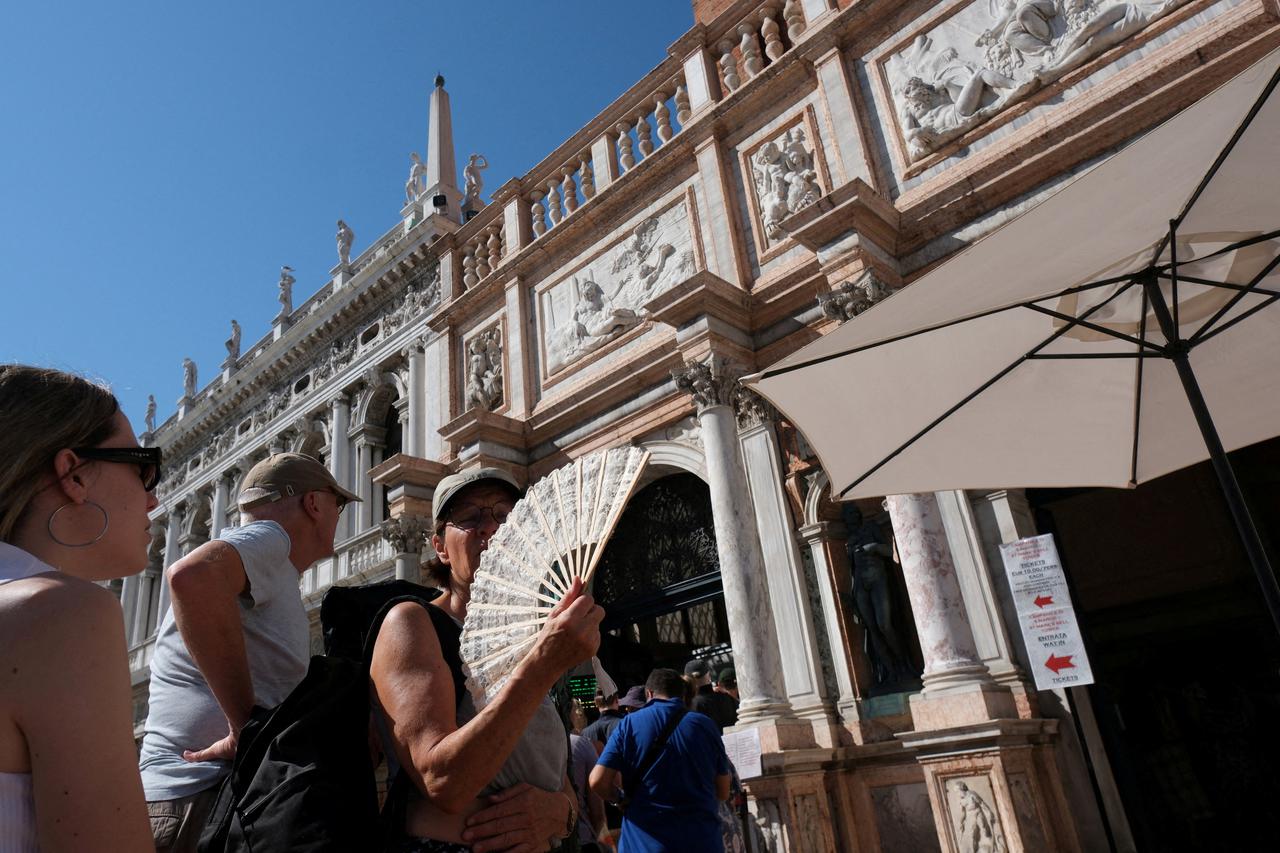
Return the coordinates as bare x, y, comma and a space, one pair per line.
285, 296
591, 309
345, 238
484, 370
979, 826
853, 297
785, 179
947, 81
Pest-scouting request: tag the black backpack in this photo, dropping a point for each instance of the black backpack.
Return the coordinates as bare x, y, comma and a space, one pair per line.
303, 779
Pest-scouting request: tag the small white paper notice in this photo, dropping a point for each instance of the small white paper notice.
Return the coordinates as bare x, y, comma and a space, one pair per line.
1045, 613
744, 751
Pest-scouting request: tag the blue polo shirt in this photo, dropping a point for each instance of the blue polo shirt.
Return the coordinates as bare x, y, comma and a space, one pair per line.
674, 808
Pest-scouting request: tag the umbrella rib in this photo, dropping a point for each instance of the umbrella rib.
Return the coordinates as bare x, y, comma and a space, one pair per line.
1227, 149
993, 380
1254, 310
1225, 285
1137, 395
778, 371
1252, 287
1045, 356
1079, 321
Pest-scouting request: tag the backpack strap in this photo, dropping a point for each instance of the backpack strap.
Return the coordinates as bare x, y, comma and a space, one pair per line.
655, 749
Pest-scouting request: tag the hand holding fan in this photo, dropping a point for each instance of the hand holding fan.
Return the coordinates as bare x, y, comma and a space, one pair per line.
554, 534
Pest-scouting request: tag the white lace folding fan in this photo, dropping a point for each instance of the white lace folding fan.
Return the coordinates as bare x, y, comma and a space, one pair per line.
554, 534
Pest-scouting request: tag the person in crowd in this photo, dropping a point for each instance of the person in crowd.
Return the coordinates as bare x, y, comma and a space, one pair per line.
235, 637
719, 707
497, 779
577, 717
633, 700
672, 767
75, 493
591, 819
610, 715
727, 683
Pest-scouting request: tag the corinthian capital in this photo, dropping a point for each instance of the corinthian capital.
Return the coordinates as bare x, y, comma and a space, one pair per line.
406, 533
713, 382
751, 408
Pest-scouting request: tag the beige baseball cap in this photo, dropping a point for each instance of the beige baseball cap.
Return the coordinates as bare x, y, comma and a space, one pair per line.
285, 474
454, 483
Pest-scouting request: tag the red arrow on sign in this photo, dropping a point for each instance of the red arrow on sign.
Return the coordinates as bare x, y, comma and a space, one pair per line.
1058, 664
1042, 600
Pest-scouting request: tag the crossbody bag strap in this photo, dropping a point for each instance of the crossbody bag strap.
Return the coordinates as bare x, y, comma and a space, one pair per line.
655, 748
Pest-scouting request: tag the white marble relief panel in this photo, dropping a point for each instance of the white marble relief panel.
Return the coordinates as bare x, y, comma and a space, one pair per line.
484, 377
993, 53
599, 300
971, 807
784, 173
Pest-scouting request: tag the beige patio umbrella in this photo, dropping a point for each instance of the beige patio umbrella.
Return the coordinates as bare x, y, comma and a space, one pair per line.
1121, 329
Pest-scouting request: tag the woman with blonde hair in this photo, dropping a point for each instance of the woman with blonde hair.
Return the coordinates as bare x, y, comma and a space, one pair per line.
75, 493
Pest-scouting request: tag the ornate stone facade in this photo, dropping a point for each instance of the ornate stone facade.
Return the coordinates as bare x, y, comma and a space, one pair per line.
616, 292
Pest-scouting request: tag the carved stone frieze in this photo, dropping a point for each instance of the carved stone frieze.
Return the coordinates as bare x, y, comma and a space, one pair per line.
484, 369
853, 297
947, 81
602, 300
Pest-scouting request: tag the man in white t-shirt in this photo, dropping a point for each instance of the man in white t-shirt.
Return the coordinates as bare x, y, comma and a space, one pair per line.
236, 636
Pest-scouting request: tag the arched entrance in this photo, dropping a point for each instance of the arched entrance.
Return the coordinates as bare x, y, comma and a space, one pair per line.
659, 583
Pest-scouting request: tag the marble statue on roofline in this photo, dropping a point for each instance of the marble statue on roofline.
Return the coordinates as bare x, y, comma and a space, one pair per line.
345, 238
233, 345
188, 378
285, 296
417, 178
151, 413
472, 182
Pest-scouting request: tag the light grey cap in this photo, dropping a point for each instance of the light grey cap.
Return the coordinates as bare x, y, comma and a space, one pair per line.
287, 474
454, 483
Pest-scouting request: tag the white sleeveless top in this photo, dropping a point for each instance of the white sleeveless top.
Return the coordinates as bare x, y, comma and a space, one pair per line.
17, 803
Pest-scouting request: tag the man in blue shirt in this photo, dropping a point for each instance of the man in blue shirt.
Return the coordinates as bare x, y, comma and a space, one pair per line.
673, 788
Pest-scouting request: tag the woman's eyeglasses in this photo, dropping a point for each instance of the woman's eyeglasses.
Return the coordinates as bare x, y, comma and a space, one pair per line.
471, 517
146, 458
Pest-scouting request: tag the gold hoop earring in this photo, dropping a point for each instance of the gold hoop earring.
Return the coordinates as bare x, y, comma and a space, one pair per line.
106, 522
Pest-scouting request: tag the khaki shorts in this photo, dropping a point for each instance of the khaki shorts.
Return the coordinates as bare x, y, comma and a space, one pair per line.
176, 824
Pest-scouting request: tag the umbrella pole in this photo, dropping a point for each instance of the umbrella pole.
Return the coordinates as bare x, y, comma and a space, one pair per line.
1179, 353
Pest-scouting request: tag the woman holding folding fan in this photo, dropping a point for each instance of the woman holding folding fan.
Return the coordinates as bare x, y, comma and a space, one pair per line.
75, 493
493, 780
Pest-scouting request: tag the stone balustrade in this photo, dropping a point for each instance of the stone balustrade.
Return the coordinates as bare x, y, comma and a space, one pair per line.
745, 49
560, 193
482, 253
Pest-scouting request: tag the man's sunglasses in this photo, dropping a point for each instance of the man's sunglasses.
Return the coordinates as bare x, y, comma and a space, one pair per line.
146, 458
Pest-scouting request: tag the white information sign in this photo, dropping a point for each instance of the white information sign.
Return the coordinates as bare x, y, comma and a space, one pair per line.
1045, 613
744, 751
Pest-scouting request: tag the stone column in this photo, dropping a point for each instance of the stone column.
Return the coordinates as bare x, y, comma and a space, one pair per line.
408, 535
148, 588
218, 514
787, 589
364, 461
172, 552
340, 455
128, 603
415, 434
958, 688
746, 591
436, 397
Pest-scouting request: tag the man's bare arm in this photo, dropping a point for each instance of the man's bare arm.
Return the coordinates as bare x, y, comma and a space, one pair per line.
205, 587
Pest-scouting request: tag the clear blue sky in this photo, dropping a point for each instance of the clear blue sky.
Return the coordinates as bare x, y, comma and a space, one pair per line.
159, 161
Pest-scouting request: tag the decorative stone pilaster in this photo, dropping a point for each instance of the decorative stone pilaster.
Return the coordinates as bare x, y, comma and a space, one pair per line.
128, 603
172, 551
408, 535
819, 538
784, 571
751, 625
340, 454
958, 688
415, 435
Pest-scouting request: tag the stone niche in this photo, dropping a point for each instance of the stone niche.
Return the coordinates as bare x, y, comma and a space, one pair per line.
974, 59
602, 294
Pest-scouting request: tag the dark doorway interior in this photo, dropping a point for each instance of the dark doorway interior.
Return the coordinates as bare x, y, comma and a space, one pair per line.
659, 583
1186, 659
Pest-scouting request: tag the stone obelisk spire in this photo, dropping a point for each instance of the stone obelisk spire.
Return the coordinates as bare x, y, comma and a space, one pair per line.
442, 170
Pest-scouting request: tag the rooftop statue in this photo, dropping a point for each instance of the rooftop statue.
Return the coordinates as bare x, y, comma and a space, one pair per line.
417, 177
472, 182
285, 296
151, 413
345, 238
188, 378
233, 345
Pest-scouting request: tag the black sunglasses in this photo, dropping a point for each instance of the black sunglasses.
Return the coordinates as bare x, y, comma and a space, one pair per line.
146, 458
